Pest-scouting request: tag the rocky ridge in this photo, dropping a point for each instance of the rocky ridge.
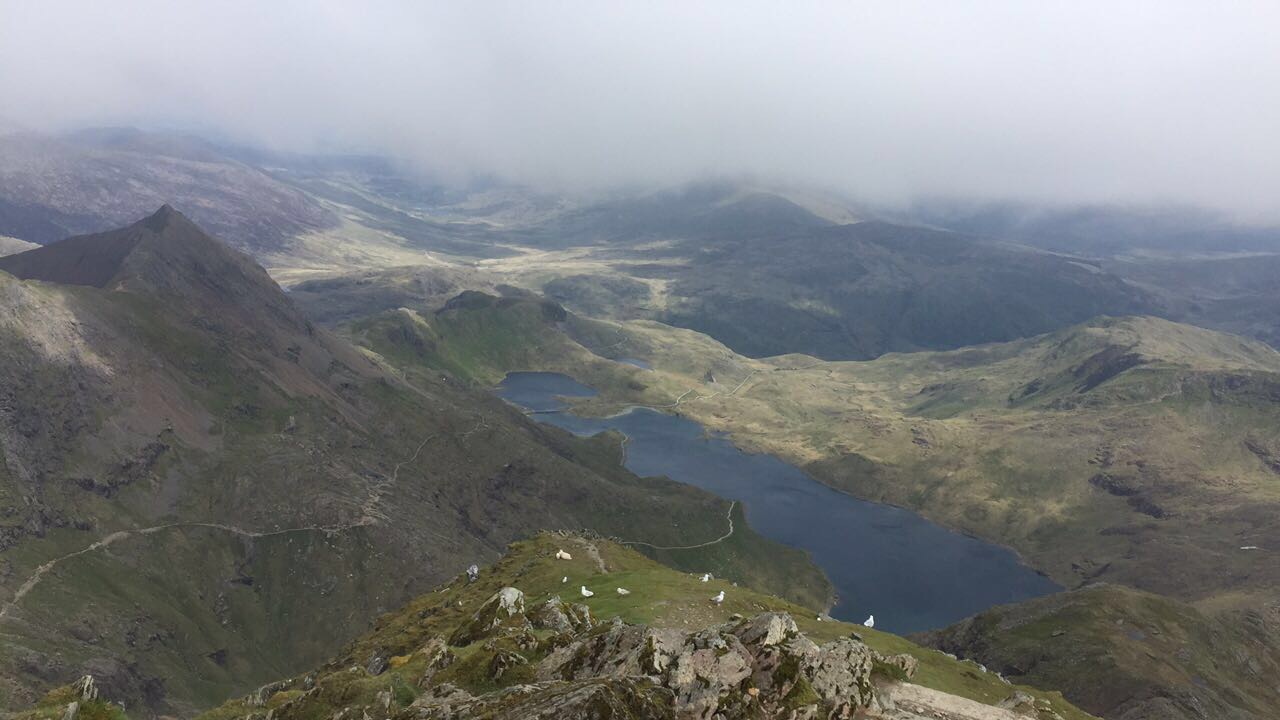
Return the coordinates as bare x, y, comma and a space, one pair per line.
570, 666
538, 655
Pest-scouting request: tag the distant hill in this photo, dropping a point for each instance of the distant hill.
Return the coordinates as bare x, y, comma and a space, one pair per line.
1100, 230
859, 291
1238, 293
1122, 653
195, 478
762, 271
52, 187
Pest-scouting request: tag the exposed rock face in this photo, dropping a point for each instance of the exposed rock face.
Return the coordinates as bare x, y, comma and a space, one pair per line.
504, 608
555, 614
750, 667
85, 688
754, 668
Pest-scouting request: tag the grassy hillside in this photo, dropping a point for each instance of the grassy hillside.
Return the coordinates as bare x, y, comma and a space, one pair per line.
659, 597
1129, 450
1124, 653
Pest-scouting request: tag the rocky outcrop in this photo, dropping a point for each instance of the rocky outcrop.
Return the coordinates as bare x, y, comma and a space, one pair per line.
759, 667
559, 616
504, 609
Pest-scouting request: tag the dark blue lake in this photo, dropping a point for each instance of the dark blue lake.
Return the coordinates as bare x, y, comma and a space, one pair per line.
912, 574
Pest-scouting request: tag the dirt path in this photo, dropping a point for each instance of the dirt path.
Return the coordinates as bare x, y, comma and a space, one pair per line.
728, 516
370, 515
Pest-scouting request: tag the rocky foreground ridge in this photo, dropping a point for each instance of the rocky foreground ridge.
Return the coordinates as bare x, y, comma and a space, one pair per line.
522, 641
488, 649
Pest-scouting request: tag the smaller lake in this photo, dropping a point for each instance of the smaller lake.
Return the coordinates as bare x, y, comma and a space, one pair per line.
912, 574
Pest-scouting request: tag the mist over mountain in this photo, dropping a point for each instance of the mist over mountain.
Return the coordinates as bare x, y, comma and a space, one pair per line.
1088, 102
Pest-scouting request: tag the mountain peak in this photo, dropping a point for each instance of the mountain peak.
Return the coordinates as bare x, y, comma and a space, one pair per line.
163, 254
99, 259
162, 218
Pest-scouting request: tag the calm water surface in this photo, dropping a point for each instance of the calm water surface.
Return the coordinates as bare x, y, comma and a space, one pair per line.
912, 574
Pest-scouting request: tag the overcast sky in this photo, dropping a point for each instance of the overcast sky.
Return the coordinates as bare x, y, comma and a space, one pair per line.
1070, 101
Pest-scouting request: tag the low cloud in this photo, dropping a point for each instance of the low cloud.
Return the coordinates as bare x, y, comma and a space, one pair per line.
1069, 102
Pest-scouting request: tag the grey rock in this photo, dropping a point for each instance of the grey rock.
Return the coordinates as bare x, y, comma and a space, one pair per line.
559, 616
1019, 702
438, 657
767, 629
710, 666
503, 606
85, 688
376, 665
908, 664
504, 660
840, 673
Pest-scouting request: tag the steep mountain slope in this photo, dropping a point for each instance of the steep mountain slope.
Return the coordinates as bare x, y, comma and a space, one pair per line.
1130, 450
194, 477
520, 642
859, 291
1129, 655
52, 187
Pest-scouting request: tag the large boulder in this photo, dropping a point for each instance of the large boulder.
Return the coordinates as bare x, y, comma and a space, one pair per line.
840, 673
767, 629
710, 671
438, 656
559, 616
619, 650
757, 667
503, 609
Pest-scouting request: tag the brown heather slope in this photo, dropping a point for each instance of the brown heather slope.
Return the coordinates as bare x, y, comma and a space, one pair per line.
194, 478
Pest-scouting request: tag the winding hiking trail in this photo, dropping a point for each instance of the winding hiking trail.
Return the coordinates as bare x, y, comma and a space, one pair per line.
626, 406
369, 515
722, 538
